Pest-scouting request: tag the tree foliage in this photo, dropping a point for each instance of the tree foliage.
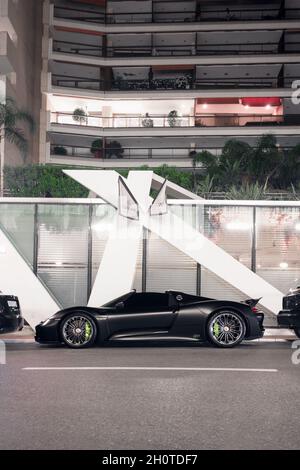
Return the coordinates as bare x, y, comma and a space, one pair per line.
240, 171
41, 181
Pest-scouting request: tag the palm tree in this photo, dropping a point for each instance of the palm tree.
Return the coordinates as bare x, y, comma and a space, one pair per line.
10, 118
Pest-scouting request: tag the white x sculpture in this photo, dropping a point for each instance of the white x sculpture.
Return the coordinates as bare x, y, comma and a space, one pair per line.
117, 269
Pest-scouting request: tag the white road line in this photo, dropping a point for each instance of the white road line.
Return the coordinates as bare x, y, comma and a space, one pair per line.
197, 369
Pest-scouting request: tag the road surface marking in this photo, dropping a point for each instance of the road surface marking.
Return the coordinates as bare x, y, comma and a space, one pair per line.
216, 369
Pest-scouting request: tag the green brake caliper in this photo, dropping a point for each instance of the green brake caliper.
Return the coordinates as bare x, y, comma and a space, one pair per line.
216, 329
88, 331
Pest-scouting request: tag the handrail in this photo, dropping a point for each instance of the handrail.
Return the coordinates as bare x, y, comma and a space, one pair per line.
77, 48
169, 83
164, 120
184, 49
195, 15
139, 153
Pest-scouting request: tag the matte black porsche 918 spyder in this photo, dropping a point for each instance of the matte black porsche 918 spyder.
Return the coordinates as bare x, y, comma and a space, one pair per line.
155, 316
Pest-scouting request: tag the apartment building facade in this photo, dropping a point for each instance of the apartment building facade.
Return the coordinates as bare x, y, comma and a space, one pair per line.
147, 82
20, 66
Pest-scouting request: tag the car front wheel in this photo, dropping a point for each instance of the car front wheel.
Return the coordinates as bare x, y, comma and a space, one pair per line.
78, 330
226, 329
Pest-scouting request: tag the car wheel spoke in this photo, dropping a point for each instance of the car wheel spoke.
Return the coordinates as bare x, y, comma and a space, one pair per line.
77, 331
227, 328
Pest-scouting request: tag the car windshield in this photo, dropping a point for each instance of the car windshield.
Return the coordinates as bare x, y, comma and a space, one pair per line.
295, 286
124, 297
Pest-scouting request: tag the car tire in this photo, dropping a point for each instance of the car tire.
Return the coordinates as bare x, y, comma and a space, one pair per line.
78, 330
297, 332
226, 329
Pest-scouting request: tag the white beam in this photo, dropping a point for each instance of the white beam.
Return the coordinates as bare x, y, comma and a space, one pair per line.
173, 189
104, 182
17, 278
118, 265
139, 183
117, 269
186, 239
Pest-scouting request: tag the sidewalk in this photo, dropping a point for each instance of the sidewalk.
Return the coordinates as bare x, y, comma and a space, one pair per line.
26, 334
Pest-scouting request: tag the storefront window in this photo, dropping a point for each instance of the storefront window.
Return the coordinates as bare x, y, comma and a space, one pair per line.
278, 245
17, 221
63, 251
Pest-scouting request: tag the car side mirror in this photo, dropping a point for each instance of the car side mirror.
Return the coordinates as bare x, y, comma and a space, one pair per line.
120, 306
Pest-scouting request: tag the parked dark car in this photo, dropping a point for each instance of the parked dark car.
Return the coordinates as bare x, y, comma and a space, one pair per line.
289, 316
10, 314
155, 316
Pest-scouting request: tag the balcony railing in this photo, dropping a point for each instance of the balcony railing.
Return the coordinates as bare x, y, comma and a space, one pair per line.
159, 154
71, 81
152, 121
187, 16
71, 47
129, 153
185, 82
254, 48
123, 121
79, 14
176, 50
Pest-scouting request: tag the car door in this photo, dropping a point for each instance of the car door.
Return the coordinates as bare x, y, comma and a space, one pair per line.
143, 312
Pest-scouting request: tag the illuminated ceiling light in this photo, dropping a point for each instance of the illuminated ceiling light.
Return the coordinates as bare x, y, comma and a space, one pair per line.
238, 226
58, 263
268, 106
283, 265
204, 106
247, 106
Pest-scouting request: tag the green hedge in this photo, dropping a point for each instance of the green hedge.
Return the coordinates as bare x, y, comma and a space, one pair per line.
50, 181
41, 181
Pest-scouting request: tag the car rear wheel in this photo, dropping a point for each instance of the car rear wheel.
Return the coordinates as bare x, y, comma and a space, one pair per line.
297, 332
78, 330
226, 329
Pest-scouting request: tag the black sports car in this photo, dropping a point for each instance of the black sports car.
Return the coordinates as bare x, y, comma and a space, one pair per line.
289, 316
10, 314
155, 316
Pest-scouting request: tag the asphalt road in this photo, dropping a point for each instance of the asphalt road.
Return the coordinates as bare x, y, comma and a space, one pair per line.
150, 408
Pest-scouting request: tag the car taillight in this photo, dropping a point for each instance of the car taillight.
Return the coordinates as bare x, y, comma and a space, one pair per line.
254, 309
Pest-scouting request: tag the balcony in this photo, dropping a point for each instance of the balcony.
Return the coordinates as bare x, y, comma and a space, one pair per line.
163, 78
7, 54
81, 12
190, 11
166, 121
72, 47
127, 152
8, 15
170, 45
130, 157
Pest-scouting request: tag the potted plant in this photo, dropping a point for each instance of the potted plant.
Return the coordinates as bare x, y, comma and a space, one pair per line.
147, 121
173, 118
79, 115
114, 149
60, 150
97, 148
